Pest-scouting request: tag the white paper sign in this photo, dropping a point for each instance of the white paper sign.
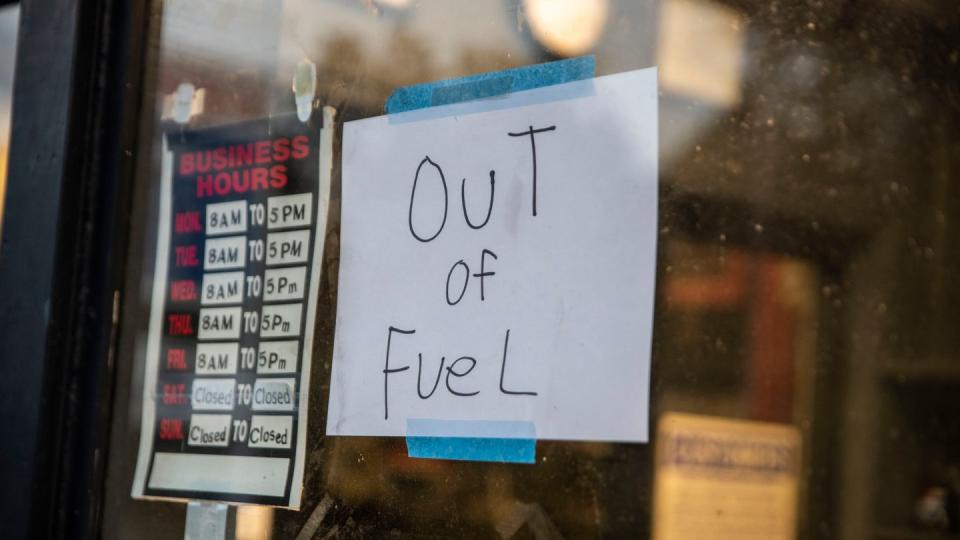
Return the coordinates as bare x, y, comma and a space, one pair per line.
534, 307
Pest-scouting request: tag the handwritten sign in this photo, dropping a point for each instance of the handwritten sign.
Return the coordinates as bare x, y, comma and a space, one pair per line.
497, 263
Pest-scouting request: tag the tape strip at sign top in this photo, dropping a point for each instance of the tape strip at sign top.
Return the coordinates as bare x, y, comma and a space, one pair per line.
421, 101
491, 441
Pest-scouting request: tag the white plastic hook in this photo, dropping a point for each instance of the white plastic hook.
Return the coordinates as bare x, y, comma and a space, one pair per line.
183, 102
304, 88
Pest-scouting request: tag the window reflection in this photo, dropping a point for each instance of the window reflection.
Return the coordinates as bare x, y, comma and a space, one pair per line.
805, 272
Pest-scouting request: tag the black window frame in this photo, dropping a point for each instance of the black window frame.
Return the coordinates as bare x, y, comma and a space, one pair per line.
77, 90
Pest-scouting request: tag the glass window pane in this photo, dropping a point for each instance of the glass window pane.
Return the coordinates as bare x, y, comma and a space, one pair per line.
805, 270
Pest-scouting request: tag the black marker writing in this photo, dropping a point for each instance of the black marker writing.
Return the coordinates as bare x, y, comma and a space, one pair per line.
483, 273
456, 376
464, 365
533, 146
466, 279
455, 373
413, 193
503, 369
386, 367
435, 382
463, 201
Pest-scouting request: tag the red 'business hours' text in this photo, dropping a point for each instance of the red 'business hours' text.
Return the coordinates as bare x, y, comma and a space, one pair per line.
239, 168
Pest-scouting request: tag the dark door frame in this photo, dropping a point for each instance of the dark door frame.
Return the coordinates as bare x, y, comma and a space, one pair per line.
75, 102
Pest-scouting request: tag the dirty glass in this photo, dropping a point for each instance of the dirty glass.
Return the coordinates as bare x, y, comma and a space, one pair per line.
806, 268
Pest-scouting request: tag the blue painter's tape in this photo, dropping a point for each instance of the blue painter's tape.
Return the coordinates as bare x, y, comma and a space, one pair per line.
488, 440
486, 85
473, 449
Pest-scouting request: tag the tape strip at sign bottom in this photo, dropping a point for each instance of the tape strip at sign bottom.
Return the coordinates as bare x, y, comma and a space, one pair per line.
472, 440
500, 442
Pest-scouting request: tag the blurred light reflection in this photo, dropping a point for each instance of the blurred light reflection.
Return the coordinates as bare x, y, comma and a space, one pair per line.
254, 522
700, 51
567, 27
